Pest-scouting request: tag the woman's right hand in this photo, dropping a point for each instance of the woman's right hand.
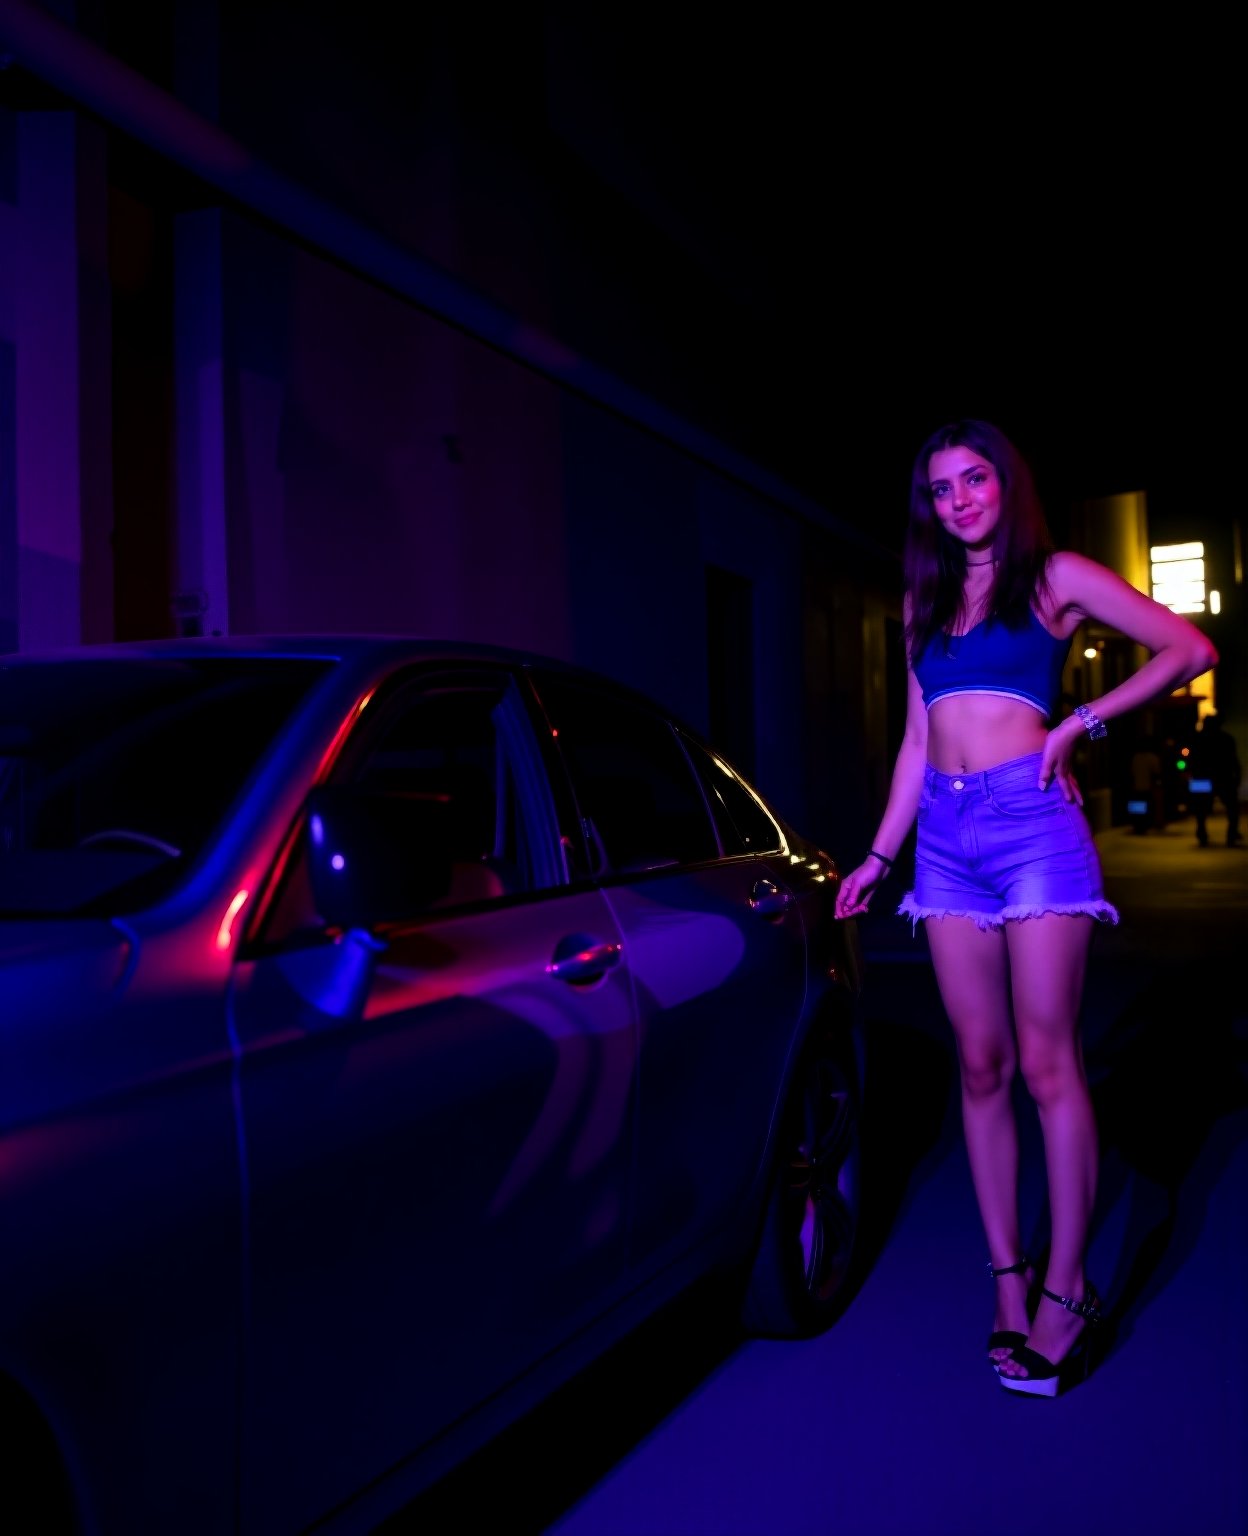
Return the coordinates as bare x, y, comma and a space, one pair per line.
858, 886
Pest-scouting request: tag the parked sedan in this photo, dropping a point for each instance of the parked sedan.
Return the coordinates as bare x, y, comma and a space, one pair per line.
386, 1028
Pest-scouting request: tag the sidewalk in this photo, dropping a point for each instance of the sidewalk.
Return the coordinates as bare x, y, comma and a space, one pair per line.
1175, 899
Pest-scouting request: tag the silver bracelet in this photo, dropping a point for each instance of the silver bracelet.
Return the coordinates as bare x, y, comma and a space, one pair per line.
1092, 722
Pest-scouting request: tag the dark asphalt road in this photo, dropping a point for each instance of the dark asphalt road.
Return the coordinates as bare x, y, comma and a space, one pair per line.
891, 1424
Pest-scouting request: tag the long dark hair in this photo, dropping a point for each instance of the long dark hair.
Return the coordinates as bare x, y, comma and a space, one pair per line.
935, 562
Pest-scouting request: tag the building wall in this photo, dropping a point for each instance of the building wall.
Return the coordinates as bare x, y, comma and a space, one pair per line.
387, 473
218, 425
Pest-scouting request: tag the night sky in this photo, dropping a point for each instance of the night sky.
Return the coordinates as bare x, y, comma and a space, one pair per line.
1047, 246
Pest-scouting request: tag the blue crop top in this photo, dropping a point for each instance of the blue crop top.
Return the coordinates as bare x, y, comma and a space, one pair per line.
1023, 664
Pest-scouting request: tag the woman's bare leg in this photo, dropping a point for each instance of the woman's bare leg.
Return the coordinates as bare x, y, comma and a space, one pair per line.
972, 974
1048, 960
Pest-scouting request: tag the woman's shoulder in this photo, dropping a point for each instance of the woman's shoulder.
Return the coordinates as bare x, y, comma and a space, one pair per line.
1064, 564
1061, 597
1069, 575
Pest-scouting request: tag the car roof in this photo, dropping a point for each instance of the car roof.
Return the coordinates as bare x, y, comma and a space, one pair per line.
362, 648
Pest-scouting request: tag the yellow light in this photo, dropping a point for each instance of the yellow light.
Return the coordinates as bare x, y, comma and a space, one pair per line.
1190, 593
1179, 576
1091, 653
1215, 601
1178, 570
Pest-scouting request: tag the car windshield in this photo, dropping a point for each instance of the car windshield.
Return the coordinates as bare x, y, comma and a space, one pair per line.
114, 773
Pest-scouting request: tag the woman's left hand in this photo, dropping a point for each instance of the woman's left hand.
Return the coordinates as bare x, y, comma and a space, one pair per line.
1055, 767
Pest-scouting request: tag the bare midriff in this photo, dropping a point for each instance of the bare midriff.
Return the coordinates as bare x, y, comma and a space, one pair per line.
968, 732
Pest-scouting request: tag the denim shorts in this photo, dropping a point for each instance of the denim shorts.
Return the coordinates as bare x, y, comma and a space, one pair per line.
995, 847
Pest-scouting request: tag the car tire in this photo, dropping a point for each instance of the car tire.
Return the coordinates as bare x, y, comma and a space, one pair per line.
797, 1281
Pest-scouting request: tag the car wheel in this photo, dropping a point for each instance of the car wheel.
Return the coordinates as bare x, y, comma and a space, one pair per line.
797, 1278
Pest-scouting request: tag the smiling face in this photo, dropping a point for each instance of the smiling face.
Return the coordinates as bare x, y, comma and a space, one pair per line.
966, 493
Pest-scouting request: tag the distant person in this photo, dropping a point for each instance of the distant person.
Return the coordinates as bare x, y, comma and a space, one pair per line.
1145, 785
1214, 760
1007, 879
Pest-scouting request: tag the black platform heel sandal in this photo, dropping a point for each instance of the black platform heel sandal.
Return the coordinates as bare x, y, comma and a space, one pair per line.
1007, 1338
1043, 1378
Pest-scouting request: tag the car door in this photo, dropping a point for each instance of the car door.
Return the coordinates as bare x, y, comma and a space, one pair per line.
716, 956
438, 1118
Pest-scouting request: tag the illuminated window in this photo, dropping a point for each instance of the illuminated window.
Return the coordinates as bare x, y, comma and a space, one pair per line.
1178, 574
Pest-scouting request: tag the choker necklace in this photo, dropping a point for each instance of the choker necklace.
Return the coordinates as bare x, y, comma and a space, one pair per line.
978, 565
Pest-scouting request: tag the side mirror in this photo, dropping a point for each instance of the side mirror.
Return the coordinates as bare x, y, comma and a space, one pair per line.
375, 858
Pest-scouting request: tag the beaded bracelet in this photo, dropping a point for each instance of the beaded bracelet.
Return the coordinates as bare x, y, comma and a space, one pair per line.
887, 862
1092, 722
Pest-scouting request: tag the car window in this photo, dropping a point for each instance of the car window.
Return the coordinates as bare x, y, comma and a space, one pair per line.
466, 743
446, 745
745, 824
640, 802
115, 774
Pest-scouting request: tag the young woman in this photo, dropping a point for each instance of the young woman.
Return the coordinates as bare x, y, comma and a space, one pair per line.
1007, 878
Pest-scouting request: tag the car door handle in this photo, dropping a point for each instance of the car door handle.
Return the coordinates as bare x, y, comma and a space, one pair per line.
586, 963
769, 899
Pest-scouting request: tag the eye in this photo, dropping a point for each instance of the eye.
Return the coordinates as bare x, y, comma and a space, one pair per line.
978, 477
939, 489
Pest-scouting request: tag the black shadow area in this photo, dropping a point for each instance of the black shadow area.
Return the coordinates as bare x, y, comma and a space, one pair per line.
1168, 1077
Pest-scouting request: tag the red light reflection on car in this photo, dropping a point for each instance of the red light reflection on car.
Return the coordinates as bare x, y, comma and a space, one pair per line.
340, 735
225, 932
